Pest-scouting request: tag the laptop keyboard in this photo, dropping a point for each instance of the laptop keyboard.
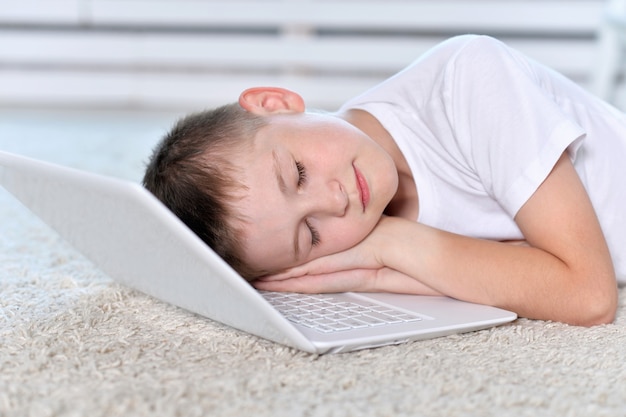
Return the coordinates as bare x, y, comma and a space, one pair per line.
326, 314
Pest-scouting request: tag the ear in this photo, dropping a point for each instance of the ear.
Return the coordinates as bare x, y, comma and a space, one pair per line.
271, 100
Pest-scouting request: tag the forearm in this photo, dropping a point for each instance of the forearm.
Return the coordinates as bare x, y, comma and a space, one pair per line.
527, 280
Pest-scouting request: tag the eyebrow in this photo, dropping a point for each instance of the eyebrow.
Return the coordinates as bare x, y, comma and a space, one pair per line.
278, 173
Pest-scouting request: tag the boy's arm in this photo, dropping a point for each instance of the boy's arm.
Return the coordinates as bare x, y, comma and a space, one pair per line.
564, 274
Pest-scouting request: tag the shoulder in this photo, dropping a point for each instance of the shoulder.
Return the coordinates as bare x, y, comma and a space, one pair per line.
469, 46
464, 61
434, 73
483, 52
484, 65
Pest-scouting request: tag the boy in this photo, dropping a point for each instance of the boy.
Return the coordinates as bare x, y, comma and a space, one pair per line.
474, 173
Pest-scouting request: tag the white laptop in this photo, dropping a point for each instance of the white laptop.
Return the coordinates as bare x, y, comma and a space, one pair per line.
126, 232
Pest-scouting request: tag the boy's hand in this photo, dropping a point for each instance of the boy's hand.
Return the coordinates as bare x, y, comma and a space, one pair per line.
356, 269
330, 282
360, 280
361, 256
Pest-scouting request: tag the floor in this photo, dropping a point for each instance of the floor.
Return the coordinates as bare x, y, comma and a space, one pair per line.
83, 135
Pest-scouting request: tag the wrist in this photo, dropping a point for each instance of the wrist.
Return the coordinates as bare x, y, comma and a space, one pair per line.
390, 231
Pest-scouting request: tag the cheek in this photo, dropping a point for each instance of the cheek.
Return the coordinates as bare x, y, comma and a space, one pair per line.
341, 237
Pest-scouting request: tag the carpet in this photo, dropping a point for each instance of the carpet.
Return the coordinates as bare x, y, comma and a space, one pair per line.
75, 343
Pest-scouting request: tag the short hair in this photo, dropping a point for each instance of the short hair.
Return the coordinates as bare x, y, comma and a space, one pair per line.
192, 173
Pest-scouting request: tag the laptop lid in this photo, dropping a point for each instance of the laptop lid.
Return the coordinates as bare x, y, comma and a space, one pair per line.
130, 235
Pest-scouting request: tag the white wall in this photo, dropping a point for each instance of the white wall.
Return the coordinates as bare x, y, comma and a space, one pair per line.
196, 53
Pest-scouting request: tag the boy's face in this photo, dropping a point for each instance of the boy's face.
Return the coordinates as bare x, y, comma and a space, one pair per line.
316, 186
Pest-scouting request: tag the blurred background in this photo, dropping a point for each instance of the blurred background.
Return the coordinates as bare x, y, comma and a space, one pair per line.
97, 66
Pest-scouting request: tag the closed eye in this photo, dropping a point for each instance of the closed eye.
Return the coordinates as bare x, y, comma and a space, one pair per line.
315, 236
301, 174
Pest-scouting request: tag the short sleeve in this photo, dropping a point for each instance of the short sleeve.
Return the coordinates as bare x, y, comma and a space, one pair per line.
507, 123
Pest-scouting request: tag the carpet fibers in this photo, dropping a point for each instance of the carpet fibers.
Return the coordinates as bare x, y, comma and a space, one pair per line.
75, 343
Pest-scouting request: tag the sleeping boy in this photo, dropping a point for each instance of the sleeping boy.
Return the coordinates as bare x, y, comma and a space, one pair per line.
474, 173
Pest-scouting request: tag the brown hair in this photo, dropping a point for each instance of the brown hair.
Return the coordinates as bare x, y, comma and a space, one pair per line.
192, 173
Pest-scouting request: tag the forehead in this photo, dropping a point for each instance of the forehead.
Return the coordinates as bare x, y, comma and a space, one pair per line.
262, 217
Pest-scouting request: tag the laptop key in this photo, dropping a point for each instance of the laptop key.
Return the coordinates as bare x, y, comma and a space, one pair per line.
324, 313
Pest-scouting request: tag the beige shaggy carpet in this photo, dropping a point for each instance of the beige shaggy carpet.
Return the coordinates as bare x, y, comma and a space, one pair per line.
75, 343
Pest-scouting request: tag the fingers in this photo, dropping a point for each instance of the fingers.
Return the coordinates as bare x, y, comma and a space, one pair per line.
306, 284
319, 266
281, 276
289, 285
363, 280
355, 280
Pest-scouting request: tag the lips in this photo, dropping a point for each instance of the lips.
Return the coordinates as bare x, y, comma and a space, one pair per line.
361, 184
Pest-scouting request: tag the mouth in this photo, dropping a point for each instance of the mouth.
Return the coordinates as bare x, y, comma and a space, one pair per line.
361, 184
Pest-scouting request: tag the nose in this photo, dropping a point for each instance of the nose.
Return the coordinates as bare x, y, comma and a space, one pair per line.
329, 199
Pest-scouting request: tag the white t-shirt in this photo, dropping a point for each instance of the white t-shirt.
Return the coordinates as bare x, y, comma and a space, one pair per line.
482, 126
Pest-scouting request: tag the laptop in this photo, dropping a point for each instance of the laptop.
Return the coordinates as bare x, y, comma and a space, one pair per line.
132, 237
